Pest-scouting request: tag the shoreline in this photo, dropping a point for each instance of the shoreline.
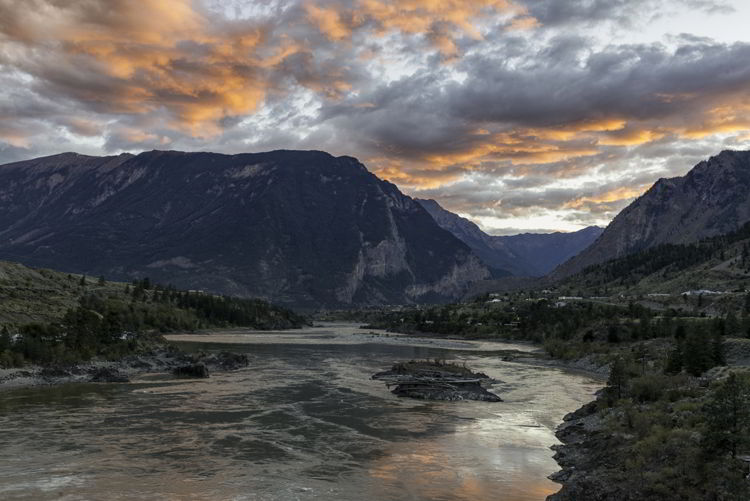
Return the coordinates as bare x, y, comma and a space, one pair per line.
161, 361
164, 360
325, 333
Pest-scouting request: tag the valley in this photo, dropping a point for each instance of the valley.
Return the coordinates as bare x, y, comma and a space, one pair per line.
378, 250
666, 323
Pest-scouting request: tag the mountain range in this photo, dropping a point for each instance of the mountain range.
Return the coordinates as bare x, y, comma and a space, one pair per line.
526, 254
296, 227
308, 229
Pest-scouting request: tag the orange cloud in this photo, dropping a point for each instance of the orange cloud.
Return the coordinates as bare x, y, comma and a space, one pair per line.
149, 56
441, 21
615, 195
724, 119
630, 137
182, 67
132, 135
329, 21
524, 153
14, 137
157, 54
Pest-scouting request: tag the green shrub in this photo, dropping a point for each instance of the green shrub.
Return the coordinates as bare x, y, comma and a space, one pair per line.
648, 388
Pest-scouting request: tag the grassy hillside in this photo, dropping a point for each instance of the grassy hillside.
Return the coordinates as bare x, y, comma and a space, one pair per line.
29, 295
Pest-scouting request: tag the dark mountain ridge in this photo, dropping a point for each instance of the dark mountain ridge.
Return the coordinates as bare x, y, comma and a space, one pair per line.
712, 199
297, 227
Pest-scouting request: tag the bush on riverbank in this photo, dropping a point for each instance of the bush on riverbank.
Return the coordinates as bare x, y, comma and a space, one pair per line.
662, 437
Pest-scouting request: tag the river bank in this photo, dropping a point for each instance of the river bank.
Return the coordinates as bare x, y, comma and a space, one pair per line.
165, 359
651, 435
161, 360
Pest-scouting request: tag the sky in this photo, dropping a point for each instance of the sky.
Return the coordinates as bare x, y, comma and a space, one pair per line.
522, 115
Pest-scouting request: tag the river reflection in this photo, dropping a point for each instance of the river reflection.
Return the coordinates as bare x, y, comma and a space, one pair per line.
305, 422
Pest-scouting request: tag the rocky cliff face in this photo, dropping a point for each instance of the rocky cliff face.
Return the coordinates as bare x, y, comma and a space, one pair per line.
527, 254
298, 227
712, 199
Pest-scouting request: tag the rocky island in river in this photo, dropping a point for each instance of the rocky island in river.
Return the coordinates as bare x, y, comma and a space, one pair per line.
437, 380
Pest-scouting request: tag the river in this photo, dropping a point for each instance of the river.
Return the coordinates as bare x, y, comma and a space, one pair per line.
303, 422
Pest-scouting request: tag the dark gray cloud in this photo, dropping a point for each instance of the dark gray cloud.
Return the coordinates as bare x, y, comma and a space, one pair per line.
552, 13
638, 81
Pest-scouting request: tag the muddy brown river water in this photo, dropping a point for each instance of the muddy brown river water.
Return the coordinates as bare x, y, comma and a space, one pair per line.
303, 422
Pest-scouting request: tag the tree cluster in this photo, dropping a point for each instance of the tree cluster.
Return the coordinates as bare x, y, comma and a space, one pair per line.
112, 326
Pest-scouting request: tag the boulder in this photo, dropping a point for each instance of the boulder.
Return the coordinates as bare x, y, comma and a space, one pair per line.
225, 361
108, 375
198, 370
54, 373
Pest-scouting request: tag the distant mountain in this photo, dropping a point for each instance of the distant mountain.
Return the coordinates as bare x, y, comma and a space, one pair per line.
296, 227
493, 253
712, 199
527, 254
545, 251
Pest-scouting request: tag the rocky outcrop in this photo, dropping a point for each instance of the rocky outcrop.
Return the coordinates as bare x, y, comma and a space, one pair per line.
710, 200
436, 381
583, 455
160, 360
198, 370
108, 375
301, 228
224, 361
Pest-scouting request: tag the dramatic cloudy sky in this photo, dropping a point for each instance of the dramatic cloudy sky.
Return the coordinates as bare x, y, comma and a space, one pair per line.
521, 114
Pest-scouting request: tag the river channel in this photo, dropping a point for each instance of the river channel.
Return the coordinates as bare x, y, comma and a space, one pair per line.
303, 422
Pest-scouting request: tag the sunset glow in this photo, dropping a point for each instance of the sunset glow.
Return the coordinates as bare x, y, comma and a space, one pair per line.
514, 113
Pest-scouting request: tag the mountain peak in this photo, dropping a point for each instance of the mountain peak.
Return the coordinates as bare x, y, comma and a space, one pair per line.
711, 199
298, 227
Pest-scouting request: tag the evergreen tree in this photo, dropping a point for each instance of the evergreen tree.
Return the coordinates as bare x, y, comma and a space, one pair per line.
101, 280
731, 324
613, 333
641, 354
728, 416
645, 330
82, 283
5, 339
680, 332
139, 294
697, 356
717, 349
618, 379
675, 359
